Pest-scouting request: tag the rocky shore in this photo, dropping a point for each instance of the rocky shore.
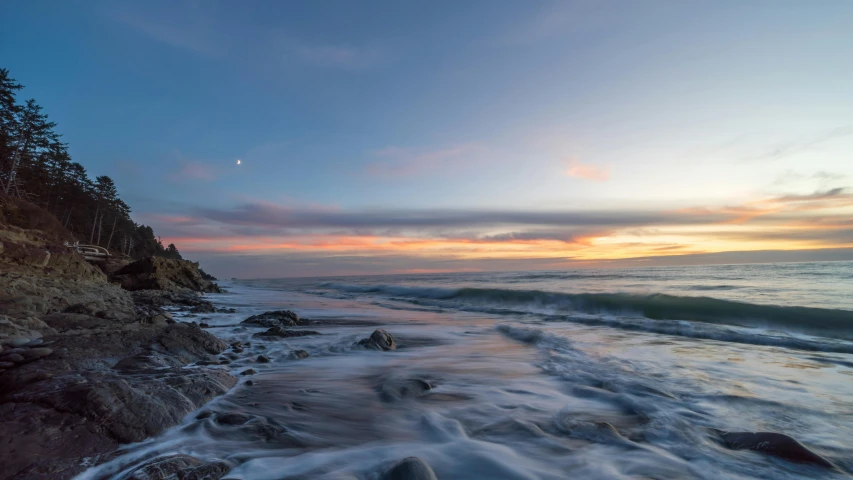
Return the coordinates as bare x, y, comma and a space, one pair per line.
89, 359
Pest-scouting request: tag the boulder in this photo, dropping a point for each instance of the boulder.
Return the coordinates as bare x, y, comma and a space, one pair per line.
774, 444
157, 273
277, 318
279, 332
398, 388
379, 340
179, 467
203, 308
298, 354
36, 353
410, 468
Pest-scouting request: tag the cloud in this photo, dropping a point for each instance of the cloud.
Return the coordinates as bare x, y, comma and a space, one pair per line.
189, 28
195, 27
428, 239
336, 56
792, 147
553, 19
189, 171
587, 171
403, 162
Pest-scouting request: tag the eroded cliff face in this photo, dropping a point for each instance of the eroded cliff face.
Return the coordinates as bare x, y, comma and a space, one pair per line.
83, 366
155, 273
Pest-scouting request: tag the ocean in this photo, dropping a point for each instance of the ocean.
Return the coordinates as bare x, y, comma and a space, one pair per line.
599, 374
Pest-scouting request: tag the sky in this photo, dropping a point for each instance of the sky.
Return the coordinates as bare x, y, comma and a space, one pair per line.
404, 137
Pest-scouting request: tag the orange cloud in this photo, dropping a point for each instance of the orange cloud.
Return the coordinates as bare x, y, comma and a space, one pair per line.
586, 171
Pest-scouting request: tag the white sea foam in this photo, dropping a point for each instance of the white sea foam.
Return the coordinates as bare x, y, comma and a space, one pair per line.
514, 395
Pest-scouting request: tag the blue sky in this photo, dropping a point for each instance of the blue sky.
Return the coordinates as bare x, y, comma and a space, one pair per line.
448, 109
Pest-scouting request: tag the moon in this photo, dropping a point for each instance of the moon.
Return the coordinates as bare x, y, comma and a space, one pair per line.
238, 161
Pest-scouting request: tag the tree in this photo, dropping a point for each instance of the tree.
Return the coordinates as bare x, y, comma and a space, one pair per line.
31, 133
172, 252
9, 111
36, 163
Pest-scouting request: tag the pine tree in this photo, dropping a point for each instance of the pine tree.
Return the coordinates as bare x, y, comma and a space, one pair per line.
31, 133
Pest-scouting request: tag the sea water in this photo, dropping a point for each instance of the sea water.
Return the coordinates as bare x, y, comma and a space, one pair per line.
599, 374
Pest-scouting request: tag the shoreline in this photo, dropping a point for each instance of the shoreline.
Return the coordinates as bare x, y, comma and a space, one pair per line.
89, 367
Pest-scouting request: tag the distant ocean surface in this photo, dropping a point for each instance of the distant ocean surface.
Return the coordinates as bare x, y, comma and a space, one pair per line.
603, 374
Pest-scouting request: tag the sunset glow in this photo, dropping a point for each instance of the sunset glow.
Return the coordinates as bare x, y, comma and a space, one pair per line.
455, 138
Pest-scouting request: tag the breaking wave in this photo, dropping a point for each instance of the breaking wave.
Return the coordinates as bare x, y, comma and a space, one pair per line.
825, 322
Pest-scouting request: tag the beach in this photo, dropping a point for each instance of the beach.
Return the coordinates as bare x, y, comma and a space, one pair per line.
488, 380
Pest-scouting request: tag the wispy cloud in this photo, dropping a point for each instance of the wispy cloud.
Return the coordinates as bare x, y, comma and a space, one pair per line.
557, 18
189, 28
403, 162
196, 28
804, 144
586, 171
189, 171
361, 240
340, 56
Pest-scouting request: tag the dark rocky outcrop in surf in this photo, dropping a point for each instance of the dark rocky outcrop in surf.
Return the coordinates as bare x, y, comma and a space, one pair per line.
157, 273
298, 354
277, 318
85, 365
379, 340
393, 389
410, 468
183, 467
775, 444
279, 332
79, 402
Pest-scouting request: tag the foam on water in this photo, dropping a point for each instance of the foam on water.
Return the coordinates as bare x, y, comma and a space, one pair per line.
515, 393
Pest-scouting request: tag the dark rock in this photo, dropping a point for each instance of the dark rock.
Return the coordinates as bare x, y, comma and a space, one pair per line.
236, 344
249, 383
204, 308
57, 422
410, 468
250, 371
179, 467
237, 349
232, 419
12, 358
144, 362
263, 359
158, 298
204, 325
279, 332
226, 310
379, 340
298, 354
774, 444
157, 273
36, 353
79, 308
277, 318
5, 365
397, 388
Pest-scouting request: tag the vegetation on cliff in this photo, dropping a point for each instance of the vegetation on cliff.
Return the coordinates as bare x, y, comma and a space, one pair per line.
35, 166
